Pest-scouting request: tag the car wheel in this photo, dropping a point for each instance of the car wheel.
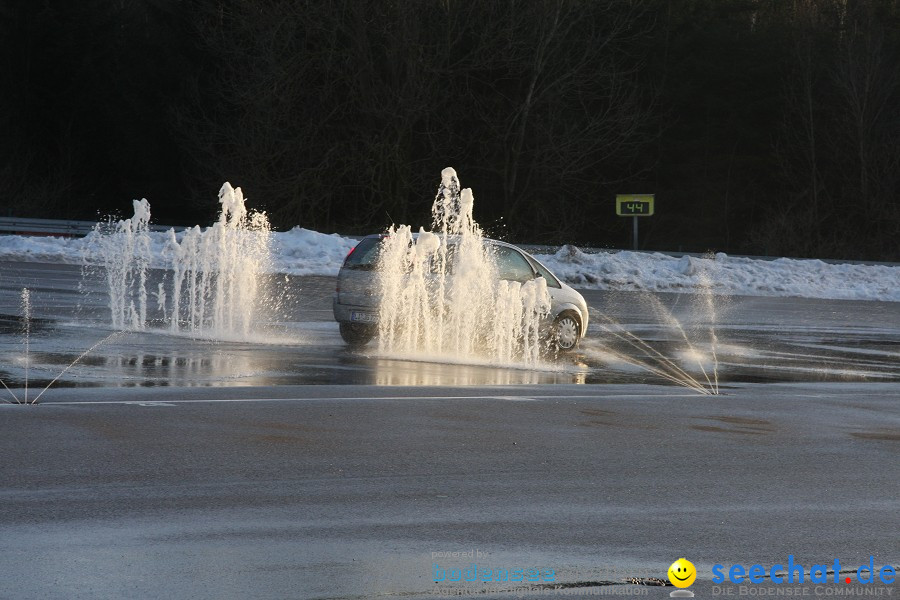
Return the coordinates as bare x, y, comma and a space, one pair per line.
566, 332
356, 334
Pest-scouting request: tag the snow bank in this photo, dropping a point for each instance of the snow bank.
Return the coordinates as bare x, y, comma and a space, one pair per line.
298, 251
724, 274
304, 252
41, 249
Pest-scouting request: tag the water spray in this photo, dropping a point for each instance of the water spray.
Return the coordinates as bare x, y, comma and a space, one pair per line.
72, 364
26, 316
213, 288
441, 294
665, 367
26, 306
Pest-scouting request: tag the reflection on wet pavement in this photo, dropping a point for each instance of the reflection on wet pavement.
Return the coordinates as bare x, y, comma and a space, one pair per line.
760, 340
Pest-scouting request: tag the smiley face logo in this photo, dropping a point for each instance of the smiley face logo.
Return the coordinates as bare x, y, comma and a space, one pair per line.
682, 573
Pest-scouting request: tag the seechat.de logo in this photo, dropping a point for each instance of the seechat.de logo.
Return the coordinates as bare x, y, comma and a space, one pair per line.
794, 572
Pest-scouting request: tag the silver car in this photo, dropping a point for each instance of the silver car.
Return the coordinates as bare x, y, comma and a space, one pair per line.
356, 300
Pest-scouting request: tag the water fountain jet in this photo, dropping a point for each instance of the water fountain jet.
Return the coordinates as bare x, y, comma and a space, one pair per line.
26, 316
664, 367
211, 287
441, 295
26, 307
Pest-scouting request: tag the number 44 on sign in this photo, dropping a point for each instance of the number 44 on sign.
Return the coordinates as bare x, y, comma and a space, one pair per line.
634, 205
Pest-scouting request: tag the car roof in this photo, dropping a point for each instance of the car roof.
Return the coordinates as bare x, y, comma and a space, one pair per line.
416, 235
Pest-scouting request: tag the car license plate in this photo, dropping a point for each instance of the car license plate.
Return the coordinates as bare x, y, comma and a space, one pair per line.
362, 317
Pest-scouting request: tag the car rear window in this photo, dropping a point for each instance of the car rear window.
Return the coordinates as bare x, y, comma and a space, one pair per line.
364, 255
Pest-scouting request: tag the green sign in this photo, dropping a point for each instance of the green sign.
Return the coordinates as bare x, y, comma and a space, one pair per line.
634, 205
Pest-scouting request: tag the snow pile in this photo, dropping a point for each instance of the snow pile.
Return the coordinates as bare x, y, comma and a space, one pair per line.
42, 249
297, 252
304, 252
724, 274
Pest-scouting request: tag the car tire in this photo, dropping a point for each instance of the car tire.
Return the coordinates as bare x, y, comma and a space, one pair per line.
356, 334
566, 332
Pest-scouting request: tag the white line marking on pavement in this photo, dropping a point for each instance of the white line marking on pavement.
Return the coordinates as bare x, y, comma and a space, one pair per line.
507, 398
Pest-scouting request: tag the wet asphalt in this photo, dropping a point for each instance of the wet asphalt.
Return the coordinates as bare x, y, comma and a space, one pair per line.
632, 338
350, 491
169, 467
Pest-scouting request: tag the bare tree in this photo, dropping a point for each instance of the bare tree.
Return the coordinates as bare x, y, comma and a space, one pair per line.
838, 145
866, 79
567, 111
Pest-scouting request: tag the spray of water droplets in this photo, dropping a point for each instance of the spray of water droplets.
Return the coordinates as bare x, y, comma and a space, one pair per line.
441, 295
211, 287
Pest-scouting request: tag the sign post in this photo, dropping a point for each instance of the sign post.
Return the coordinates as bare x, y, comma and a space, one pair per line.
634, 205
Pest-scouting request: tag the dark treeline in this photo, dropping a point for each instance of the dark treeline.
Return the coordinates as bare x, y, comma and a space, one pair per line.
763, 126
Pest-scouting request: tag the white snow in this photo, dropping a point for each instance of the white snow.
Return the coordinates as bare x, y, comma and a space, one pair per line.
305, 252
41, 249
730, 275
